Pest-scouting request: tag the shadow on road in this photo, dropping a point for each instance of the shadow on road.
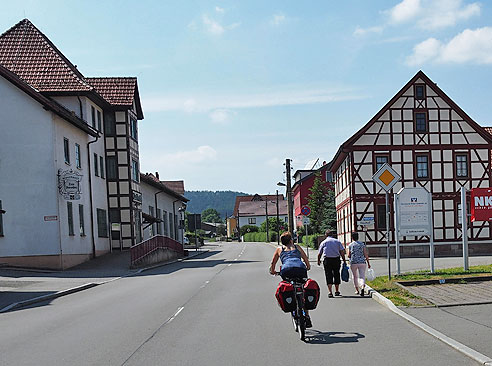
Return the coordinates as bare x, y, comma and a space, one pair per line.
10, 297
317, 337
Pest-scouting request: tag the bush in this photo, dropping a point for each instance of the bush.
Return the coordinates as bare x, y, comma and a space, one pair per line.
311, 241
245, 229
259, 237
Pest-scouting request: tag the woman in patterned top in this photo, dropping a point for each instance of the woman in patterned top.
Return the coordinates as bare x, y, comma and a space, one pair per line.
359, 259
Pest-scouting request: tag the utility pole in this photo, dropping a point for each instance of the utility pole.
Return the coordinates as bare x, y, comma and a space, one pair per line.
266, 222
278, 229
289, 197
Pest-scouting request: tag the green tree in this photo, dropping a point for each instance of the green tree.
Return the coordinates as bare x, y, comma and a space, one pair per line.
272, 225
321, 201
249, 229
211, 215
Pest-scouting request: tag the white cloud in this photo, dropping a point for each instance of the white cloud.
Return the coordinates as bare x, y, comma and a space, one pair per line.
221, 116
286, 95
278, 19
432, 14
470, 46
220, 10
212, 26
198, 155
363, 31
404, 11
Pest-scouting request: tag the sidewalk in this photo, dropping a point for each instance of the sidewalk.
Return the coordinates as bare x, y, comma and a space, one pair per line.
457, 314
21, 287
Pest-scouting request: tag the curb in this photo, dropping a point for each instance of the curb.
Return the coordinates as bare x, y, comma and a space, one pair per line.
467, 351
55, 295
86, 286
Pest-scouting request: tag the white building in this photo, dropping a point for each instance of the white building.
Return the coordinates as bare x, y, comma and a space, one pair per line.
255, 212
69, 162
162, 208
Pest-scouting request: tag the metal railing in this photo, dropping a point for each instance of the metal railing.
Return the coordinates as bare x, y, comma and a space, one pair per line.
143, 249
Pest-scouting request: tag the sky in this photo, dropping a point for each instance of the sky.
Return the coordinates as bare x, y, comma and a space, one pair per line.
230, 89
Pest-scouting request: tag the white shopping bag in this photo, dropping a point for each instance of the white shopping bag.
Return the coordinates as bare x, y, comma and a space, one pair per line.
370, 275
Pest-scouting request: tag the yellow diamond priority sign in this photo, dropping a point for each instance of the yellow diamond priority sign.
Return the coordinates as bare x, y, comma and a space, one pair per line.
386, 177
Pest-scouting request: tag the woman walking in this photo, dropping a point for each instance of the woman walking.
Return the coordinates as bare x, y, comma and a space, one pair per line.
359, 260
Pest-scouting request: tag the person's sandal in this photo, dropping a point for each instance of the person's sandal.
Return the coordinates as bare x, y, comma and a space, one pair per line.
337, 293
330, 295
362, 292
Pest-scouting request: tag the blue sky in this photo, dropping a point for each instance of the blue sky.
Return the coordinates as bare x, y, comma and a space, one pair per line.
230, 89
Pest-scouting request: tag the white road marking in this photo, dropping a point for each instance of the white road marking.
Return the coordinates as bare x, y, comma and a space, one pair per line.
230, 264
176, 314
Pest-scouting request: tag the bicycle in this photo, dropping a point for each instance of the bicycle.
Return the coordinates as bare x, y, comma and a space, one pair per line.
299, 314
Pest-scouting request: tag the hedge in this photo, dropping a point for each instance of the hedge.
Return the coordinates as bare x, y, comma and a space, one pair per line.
259, 237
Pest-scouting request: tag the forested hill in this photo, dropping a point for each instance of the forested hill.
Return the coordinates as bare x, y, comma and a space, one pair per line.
222, 201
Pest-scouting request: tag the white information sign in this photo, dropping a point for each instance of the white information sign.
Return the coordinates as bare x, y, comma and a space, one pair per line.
305, 220
366, 221
414, 211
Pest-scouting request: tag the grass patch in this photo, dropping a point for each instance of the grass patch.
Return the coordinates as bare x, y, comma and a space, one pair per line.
401, 297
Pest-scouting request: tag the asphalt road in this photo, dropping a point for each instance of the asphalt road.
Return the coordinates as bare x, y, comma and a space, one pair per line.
217, 309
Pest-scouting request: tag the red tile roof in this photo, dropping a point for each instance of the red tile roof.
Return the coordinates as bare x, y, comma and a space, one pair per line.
257, 208
488, 129
116, 90
175, 185
29, 54
255, 197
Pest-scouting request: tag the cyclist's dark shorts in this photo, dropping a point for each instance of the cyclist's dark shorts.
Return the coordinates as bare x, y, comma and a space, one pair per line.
332, 270
293, 272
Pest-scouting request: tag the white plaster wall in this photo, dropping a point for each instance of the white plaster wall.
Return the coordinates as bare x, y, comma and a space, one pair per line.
243, 220
76, 244
28, 184
164, 203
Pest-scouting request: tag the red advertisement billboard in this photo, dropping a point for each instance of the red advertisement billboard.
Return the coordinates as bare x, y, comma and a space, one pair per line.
481, 204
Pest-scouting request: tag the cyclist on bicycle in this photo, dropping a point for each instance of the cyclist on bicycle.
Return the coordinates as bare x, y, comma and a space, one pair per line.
292, 258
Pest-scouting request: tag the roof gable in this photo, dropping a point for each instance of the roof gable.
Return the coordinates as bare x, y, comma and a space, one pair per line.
118, 91
377, 122
29, 54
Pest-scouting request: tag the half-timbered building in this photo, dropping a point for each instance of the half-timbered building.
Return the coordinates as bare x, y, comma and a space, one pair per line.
430, 142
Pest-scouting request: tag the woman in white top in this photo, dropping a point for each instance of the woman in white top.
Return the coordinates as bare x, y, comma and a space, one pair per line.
359, 260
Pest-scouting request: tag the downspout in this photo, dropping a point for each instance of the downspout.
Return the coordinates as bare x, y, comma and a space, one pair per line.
90, 196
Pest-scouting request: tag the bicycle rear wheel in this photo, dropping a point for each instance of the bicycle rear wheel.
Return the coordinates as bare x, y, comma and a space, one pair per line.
302, 326
294, 321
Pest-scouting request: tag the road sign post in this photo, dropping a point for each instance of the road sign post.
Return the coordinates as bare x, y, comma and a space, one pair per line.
386, 177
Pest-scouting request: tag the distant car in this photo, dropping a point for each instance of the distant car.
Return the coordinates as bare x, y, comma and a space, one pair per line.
186, 241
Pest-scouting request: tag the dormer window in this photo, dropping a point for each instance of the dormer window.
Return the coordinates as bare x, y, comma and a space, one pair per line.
419, 91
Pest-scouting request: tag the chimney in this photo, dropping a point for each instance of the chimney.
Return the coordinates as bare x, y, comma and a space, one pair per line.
157, 175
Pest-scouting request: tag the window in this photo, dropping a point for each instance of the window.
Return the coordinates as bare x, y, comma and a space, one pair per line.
111, 168
102, 223
134, 171
93, 115
381, 217
70, 218
133, 128
109, 125
329, 176
176, 227
462, 165
159, 224
380, 161
419, 91
1, 218
171, 226
164, 218
77, 156
422, 166
114, 215
96, 165
101, 166
66, 150
81, 220
420, 122
99, 121
252, 221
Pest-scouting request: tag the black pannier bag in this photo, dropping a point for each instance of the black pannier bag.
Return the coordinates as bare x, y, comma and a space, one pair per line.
311, 294
286, 296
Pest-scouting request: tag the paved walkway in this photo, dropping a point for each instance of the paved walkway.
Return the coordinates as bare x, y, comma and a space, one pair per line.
454, 294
